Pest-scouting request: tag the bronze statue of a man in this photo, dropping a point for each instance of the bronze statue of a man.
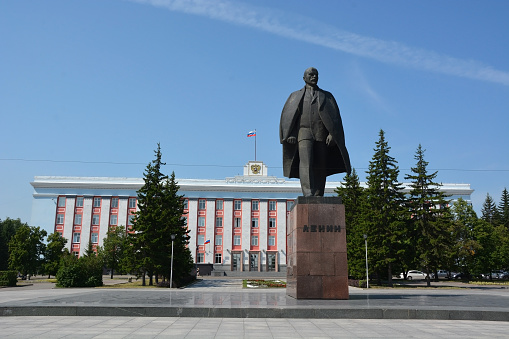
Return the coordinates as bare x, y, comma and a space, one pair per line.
312, 135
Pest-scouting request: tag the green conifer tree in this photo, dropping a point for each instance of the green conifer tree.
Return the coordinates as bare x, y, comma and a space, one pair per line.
503, 208
489, 211
386, 213
430, 218
159, 215
354, 199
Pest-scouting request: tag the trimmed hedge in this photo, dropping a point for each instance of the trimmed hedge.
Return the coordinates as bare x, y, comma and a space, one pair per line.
8, 278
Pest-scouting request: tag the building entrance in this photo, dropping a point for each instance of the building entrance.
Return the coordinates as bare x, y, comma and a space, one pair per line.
253, 262
235, 261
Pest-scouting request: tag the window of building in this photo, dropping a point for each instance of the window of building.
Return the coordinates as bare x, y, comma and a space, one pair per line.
95, 219
272, 205
132, 202
236, 240
201, 221
254, 240
272, 240
219, 205
289, 205
60, 219
185, 220
79, 201
76, 237
76, 253
254, 205
113, 219
61, 201
200, 239
237, 222
218, 258
130, 219
254, 222
200, 257
237, 205
219, 240
186, 204
114, 202
60, 234
201, 204
219, 221
94, 238
272, 222
97, 202
77, 219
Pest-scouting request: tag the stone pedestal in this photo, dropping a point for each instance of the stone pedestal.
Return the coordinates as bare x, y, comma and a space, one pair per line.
317, 266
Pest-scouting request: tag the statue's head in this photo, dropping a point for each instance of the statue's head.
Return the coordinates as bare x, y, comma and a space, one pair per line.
311, 76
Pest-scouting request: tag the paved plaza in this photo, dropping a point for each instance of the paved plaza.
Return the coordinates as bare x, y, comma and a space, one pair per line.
221, 308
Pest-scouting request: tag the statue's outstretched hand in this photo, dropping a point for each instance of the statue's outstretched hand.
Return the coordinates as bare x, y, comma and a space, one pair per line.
291, 140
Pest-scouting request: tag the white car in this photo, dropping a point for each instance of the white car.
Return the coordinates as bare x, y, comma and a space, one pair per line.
413, 275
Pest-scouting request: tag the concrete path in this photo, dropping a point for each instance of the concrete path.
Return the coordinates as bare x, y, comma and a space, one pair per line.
221, 308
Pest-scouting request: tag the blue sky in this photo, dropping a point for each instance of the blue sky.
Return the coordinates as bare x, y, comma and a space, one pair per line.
88, 88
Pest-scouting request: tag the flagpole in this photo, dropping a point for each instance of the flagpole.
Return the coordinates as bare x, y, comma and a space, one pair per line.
255, 145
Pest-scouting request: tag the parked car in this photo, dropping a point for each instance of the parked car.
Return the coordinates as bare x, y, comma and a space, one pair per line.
496, 274
505, 276
442, 274
461, 276
413, 275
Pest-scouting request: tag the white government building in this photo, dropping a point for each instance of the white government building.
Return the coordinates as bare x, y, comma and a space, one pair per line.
236, 225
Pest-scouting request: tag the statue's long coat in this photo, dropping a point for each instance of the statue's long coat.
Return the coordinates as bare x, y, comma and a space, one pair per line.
338, 160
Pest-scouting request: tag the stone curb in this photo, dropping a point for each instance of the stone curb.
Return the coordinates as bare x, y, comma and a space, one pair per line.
209, 312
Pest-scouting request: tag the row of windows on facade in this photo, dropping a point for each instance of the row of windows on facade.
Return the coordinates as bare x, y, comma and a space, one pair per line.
95, 219
97, 202
202, 203
237, 204
237, 222
76, 237
236, 258
271, 240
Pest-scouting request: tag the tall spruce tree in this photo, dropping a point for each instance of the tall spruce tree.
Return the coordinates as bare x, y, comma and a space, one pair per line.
430, 233
489, 210
386, 213
465, 245
159, 216
503, 208
354, 199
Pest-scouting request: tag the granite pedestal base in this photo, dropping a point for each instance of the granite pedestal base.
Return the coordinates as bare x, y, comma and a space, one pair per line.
317, 266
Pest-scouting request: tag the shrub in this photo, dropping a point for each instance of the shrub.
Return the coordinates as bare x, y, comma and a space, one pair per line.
8, 278
83, 272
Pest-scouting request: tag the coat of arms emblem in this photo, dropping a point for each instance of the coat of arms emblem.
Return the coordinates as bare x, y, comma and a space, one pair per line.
255, 169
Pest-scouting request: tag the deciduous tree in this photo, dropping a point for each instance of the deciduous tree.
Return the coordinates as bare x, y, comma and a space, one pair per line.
26, 250
54, 253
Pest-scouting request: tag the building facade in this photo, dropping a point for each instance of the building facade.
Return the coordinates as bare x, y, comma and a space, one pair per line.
237, 224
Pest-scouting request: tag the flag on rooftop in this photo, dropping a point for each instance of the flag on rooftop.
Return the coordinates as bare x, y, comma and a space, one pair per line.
252, 134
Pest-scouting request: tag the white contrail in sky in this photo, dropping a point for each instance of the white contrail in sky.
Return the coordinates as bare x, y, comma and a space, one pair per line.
314, 32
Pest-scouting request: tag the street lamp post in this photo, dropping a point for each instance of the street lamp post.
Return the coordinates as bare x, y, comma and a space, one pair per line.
171, 271
367, 273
